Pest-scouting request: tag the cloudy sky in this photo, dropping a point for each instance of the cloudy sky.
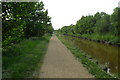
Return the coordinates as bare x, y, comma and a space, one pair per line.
66, 12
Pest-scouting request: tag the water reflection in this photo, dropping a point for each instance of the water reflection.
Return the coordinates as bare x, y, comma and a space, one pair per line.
105, 54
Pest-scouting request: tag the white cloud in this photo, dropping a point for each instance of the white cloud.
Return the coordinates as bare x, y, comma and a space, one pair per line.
66, 12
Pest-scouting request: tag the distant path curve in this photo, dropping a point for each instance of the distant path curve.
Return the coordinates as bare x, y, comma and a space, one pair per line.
59, 62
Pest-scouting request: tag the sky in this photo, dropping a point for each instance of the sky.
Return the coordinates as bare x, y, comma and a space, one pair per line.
67, 12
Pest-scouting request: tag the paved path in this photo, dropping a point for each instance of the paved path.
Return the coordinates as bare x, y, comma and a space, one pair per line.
59, 62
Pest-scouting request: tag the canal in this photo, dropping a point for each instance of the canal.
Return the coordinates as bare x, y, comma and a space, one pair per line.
105, 54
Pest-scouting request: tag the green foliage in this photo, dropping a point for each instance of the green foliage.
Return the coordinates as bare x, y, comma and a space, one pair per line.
115, 22
22, 20
103, 24
100, 26
22, 59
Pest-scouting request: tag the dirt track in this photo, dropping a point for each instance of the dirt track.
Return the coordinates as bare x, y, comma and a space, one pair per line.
60, 63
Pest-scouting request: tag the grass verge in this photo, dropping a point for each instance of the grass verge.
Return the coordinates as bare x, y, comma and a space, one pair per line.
106, 37
92, 66
22, 59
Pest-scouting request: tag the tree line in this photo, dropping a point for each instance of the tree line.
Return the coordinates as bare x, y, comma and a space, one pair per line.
100, 26
22, 20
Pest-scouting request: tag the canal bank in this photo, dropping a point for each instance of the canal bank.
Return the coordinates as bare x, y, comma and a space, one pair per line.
88, 60
95, 40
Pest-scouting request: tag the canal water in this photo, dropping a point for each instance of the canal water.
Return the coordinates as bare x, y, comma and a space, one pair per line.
105, 54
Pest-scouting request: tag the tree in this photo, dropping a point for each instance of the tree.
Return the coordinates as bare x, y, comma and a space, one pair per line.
115, 22
22, 20
103, 24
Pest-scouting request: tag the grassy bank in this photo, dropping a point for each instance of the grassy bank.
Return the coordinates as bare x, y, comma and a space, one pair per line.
22, 59
91, 65
106, 38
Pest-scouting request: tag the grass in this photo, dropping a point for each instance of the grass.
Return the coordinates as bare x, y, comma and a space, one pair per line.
107, 37
22, 59
92, 67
